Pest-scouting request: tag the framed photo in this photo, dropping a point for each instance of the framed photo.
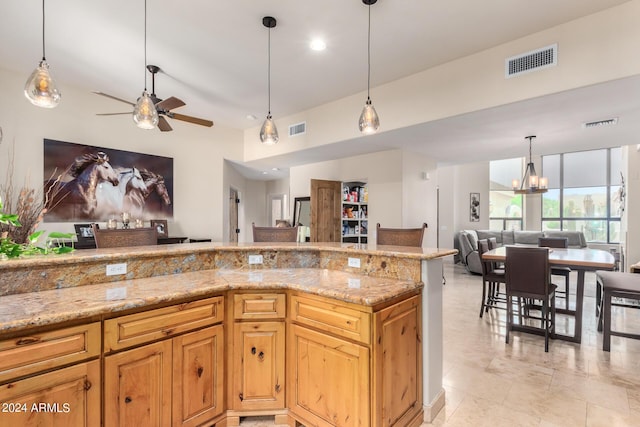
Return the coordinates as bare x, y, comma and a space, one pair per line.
474, 207
84, 234
161, 227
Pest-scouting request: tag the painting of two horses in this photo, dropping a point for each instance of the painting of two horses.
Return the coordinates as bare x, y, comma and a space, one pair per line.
97, 183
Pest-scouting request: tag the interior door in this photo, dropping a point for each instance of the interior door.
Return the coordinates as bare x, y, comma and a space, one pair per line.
326, 210
233, 215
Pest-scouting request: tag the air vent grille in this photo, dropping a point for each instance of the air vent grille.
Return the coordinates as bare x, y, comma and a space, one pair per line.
298, 129
607, 122
531, 61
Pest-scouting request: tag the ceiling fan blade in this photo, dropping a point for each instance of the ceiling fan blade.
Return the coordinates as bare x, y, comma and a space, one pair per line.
194, 120
112, 114
170, 103
164, 125
114, 97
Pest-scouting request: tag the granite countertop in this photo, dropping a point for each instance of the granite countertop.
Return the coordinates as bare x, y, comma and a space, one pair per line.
92, 255
36, 309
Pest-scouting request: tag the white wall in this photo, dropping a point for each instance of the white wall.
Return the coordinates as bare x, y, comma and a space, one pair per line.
632, 211
198, 152
419, 202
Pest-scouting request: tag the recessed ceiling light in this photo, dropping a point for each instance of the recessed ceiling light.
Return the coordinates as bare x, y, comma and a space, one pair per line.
318, 44
251, 117
264, 172
275, 169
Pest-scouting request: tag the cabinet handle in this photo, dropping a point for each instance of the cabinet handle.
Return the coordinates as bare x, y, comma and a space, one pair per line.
277, 388
200, 371
27, 340
127, 399
261, 356
241, 397
87, 385
253, 350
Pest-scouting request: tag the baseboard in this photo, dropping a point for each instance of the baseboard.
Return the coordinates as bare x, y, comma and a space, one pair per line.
431, 411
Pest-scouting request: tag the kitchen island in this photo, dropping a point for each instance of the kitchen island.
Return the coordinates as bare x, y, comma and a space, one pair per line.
206, 333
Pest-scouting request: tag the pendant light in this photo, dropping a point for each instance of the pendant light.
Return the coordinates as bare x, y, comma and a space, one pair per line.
369, 121
531, 183
145, 114
268, 132
40, 89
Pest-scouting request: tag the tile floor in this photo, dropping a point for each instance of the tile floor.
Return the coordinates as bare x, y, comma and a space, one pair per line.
490, 383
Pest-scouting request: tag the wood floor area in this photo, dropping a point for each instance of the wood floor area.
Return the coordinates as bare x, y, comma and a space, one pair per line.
490, 383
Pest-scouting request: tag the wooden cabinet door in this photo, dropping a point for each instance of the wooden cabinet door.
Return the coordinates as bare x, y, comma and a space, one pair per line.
66, 397
328, 379
397, 361
198, 369
326, 211
137, 386
258, 366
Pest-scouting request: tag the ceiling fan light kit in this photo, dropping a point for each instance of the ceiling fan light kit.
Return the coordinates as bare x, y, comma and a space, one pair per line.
535, 184
144, 113
41, 89
369, 121
268, 131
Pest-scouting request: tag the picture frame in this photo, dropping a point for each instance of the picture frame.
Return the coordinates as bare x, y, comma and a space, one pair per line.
84, 235
474, 207
161, 227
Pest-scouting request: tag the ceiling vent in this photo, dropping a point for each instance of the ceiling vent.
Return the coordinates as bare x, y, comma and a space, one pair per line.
298, 129
607, 122
531, 61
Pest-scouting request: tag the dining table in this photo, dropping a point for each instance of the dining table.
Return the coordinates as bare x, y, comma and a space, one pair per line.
580, 260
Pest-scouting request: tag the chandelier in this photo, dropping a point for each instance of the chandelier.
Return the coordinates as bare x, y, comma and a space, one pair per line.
531, 183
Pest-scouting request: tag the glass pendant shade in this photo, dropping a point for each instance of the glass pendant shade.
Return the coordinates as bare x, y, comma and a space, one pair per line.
369, 121
145, 114
269, 132
40, 89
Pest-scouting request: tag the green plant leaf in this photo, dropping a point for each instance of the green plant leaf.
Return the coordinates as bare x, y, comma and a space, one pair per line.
59, 235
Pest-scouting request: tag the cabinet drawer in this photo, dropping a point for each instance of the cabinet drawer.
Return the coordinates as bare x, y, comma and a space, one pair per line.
331, 317
39, 351
259, 306
126, 331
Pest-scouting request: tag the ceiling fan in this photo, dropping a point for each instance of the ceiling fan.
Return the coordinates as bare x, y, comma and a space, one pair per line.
163, 107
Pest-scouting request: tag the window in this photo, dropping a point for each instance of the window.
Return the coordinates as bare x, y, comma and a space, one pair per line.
505, 207
582, 196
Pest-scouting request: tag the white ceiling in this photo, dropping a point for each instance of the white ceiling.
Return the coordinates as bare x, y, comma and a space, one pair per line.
214, 57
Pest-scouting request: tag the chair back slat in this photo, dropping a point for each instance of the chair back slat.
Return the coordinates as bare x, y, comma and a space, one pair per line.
400, 236
275, 234
553, 242
119, 238
527, 270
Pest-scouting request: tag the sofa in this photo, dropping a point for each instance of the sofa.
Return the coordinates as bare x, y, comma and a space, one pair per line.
467, 242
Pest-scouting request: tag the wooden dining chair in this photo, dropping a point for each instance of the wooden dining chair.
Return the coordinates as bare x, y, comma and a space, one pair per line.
400, 236
491, 279
563, 243
528, 278
118, 238
275, 234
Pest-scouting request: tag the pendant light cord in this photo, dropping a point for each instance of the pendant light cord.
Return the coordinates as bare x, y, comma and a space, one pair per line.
145, 45
43, 55
369, 55
269, 73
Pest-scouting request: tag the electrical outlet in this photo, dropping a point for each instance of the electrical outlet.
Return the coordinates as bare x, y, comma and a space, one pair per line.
115, 269
255, 259
116, 293
354, 262
353, 283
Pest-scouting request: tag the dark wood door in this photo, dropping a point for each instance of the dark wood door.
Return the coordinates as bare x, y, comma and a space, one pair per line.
326, 210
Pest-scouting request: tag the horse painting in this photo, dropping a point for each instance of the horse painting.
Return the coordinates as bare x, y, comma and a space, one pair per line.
76, 199
128, 196
155, 183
